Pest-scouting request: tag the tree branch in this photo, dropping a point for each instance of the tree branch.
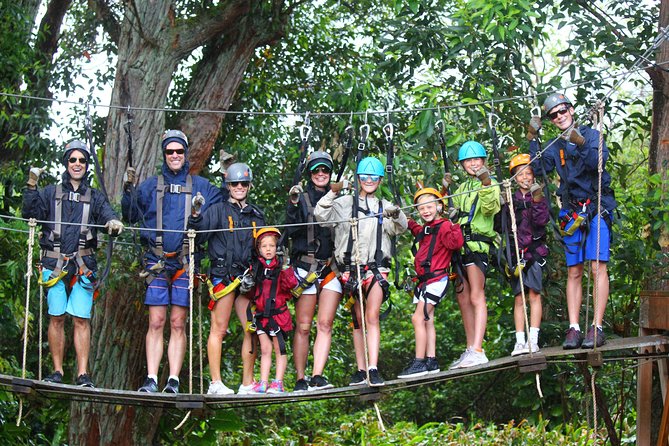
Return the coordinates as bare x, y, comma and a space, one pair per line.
604, 19
108, 19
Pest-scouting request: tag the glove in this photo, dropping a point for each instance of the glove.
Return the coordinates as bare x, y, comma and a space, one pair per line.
246, 284
129, 178
484, 176
452, 214
196, 204
537, 192
337, 187
114, 227
574, 136
447, 180
295, 192
391, 211
533, 128
33, 177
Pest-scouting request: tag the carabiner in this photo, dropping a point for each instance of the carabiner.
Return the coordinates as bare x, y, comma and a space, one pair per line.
439, 125
535, 112
492, 117
389, 130
364, 131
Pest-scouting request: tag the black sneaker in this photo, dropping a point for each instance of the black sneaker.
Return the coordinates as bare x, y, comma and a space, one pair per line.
318, 382
432, 365
172, 386
359, 378
56, 378
417, 367
301, 385
573, 339
589, 341
84, 380
150, 385
375, 378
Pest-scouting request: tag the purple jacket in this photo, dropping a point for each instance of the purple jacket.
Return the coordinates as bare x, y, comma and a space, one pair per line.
531, 221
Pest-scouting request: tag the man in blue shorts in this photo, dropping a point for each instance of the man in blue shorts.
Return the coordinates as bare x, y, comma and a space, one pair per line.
162, 204
68, 266
575, 157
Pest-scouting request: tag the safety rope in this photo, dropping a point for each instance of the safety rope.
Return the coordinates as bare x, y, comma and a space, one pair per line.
40, 334
29, 272
199, 337
600, 169
191, 276
361, 300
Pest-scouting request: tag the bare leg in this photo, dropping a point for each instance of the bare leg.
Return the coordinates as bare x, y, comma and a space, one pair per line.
430, 334
536, 310
265, 356
519, 313
281, 360
220, 318
602, 291
56, 335
176, 349
574, 292
305, 307
82, 343
358, 341
478, 303
249, 349
327, 310
467, 311
154, 338
372, 311
418, 321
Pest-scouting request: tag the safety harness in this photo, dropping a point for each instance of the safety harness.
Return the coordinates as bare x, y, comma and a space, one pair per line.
62, 259
270, 310
469, 236
514, 266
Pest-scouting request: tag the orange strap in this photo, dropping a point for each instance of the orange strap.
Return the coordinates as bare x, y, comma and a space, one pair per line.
331, 275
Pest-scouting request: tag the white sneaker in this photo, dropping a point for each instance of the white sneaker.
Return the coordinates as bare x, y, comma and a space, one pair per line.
218, 388
456, 364
245, 390
533, 347
472, 359
520, 348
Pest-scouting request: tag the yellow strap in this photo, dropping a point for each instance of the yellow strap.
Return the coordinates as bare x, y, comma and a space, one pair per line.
215, 296
254, 229
230, 224
578, 221
51, 282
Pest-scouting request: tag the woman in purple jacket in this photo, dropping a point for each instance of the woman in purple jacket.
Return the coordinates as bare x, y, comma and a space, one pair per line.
531, 209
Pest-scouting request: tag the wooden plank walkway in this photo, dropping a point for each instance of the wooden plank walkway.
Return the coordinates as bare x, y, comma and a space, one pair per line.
31, 388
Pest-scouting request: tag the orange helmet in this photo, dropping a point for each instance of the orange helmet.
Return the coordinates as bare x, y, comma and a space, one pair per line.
265, 232
426, 191
521, 159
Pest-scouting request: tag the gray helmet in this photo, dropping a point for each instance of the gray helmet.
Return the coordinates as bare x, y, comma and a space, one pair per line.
554, 100
319, 158
174, 136
238, 172
76, 144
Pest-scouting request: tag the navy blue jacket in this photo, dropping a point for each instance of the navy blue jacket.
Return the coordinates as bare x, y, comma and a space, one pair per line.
579, 174
41, 205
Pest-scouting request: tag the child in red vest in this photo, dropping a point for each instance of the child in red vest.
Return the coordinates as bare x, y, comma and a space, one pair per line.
437, 240
272, 318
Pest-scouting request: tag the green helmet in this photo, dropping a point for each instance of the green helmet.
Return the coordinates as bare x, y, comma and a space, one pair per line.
554, 100
76, 144
238, 172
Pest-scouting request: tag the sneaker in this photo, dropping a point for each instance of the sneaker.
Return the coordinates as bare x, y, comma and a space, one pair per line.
533, 347
521, 348
319, 382
245, 390
150, 385
172, 386
589, 341
301, 385
375, 378
359, 378
260, 387
456, 364
218, 388
84, 380
56, 378
276, 386
472, 359
417, 367
432, 365
573, 339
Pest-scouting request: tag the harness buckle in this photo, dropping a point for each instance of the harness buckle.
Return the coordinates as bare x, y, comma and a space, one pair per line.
73, 196
175, 188
427, 230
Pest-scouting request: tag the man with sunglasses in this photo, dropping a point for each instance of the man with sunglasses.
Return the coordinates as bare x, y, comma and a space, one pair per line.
162, 205
68, 266
574, 155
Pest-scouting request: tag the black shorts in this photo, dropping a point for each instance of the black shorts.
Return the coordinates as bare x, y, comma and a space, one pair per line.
479, 259
532, 279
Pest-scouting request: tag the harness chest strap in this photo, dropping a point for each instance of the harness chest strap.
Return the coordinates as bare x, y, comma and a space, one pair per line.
161, 188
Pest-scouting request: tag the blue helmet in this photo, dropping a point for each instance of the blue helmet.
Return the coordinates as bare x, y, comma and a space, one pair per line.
471, 149
370, 166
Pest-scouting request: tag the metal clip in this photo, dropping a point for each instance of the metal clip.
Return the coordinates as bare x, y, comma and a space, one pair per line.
175, 188
364, 131
73, 196
535, 112
389, 130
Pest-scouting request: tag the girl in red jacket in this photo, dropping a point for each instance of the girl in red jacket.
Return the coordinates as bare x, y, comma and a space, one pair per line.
272, 318
437, 240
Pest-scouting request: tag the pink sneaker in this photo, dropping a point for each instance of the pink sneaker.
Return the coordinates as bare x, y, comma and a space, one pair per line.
276, 386
260, 387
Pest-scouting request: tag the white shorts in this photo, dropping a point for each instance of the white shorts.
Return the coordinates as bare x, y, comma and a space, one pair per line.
333, 285
432, 293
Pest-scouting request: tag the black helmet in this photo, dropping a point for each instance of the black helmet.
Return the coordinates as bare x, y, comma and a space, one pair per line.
76, 144
319, 158
174, 136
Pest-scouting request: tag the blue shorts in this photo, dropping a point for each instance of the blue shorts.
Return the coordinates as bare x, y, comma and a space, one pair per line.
80, 301
576, 254
161, 292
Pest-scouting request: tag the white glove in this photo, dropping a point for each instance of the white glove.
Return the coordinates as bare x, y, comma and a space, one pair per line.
295, 192
33, 177
196, 204
114, 227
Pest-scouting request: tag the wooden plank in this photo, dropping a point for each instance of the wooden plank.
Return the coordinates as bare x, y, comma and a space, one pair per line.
654, 310
663, 434
644, 395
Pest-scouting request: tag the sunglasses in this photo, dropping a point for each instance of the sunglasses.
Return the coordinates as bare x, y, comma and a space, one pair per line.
366, 178
321, 169
244, 184
173, 151
74, 160
555, 114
